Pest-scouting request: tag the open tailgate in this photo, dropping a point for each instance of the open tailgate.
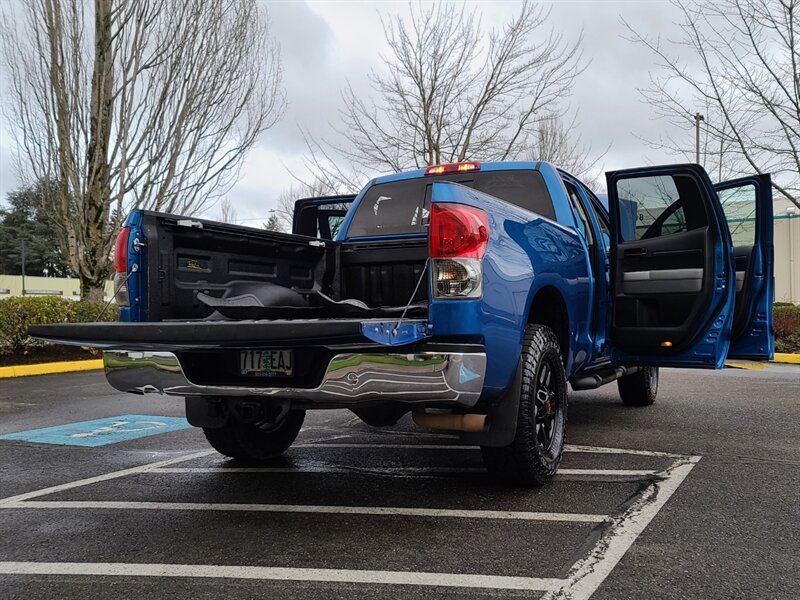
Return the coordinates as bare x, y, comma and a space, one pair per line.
196, 335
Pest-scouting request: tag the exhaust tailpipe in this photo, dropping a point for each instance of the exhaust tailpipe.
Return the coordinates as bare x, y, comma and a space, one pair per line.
470, 423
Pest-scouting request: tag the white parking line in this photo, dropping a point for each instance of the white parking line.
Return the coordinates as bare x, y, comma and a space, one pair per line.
588, 573
317, 468
567, 448
392, 446
602, 450
313, 508
320, 468
607, 472
105, 477
282, 574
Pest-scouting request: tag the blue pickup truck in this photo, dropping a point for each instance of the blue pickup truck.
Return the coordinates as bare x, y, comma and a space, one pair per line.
467, 294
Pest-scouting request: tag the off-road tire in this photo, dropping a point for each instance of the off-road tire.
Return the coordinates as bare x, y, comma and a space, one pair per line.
246, 441
532, 458
640, 388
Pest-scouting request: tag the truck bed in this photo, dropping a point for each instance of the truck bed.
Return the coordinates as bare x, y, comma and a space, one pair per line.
197, 269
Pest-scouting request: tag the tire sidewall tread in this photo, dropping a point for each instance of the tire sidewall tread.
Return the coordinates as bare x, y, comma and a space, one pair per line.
246, 442
524, 462
640, 388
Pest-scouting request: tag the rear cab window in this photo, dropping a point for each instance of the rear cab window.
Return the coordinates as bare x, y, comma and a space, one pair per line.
401, 207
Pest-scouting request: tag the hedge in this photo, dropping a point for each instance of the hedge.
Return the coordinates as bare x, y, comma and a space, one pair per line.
17, 314
787, 328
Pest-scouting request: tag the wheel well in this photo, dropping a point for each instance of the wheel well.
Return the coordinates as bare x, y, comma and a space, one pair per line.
548, 308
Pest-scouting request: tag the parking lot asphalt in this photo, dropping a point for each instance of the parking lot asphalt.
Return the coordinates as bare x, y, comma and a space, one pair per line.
697, 496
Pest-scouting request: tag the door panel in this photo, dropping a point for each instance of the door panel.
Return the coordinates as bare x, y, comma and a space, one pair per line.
672, 268
664, 281
742, 257
747, 203
661, 288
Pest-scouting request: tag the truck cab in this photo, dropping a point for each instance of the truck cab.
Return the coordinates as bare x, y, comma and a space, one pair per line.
469, 295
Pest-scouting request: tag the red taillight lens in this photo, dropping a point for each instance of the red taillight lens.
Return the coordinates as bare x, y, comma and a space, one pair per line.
461, 167
121, 251
457, 230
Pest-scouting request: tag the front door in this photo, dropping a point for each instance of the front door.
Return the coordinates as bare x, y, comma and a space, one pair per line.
747, 203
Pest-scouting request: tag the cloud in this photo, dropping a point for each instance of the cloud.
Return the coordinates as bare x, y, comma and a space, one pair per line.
326, 44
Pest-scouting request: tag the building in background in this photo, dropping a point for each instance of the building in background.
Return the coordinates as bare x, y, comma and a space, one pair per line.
11, 285
787, 251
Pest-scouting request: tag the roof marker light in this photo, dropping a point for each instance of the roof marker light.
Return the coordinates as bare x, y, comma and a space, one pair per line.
459, 167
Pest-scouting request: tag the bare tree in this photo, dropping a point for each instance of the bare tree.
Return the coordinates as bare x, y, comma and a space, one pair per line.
227, 213
135, 103
555, 142
332, 172
451, 92
319, 186
739, 61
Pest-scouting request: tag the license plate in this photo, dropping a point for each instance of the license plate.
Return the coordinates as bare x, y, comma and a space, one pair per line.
266, 363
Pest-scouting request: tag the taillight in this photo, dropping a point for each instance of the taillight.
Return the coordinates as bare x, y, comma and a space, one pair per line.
460, 167
457, 230
458, 236
121, 251
121, 268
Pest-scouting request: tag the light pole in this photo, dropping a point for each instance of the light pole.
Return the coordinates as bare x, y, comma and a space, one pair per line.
23, 266
697, 118
791, 213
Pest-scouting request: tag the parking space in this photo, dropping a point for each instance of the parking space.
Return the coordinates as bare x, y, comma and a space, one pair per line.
355, 512
452, 503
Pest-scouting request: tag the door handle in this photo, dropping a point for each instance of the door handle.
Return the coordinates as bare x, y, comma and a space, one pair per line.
636, 252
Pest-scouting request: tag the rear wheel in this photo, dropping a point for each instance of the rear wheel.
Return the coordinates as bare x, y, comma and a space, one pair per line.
533, 456
640, 388
248, 441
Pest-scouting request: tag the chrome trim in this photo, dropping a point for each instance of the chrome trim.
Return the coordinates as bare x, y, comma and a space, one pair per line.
350, 378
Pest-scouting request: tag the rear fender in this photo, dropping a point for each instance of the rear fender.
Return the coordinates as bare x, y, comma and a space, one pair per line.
525, 253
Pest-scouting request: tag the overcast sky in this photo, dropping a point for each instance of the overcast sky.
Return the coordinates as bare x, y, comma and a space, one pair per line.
326, 43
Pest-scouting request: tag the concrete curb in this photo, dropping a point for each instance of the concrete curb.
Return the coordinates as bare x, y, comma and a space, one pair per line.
792, 359
67, 366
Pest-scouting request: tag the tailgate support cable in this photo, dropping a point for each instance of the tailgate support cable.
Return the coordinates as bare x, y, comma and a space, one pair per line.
134, 268
411, 299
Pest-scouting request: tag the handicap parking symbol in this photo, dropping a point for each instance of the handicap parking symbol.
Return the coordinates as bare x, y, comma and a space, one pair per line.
101, 432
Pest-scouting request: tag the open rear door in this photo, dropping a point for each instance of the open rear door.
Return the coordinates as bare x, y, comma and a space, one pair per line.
320, 217
672, 273
747, 203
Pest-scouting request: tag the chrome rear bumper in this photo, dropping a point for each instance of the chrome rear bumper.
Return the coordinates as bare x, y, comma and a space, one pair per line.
350, 378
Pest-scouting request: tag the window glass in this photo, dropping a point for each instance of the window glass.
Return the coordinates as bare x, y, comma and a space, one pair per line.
739, 205
525, 189
402, 207
579, 211
602, 220
334, 224
654, 206
330, 218
389, 208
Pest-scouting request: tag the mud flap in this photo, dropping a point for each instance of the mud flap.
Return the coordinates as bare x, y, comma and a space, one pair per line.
501, 418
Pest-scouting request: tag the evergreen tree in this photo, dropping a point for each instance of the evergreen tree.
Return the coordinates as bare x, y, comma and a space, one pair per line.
23, 222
